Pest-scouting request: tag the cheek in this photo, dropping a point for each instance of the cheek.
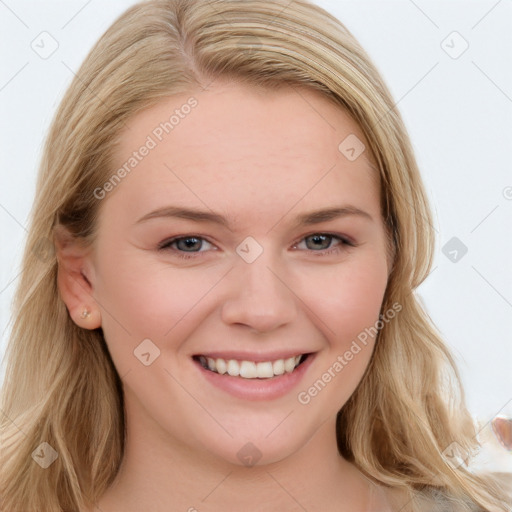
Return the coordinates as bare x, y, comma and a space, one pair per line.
141, 300
136, 287
347, 309
347, 299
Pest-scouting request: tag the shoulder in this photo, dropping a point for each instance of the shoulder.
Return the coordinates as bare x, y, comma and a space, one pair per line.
429, 500
435, 500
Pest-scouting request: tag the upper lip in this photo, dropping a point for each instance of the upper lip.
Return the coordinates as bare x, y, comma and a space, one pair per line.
253, 356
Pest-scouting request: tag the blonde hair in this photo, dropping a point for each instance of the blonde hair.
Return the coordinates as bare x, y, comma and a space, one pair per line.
61, 386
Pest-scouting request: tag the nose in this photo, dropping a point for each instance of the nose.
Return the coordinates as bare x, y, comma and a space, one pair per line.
259, 298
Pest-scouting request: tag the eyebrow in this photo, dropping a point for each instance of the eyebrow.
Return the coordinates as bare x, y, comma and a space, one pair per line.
305, 219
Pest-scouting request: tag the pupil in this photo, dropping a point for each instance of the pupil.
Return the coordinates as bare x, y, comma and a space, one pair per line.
189, 244
319, 241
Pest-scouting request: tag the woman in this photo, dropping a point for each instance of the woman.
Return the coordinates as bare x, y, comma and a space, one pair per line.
225, 318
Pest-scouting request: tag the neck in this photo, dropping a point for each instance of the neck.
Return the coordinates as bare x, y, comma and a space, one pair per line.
160, 474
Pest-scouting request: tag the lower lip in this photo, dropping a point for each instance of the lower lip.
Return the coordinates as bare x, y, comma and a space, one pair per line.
257, 389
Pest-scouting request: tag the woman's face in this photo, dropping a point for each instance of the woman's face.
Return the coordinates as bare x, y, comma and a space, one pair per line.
246, 234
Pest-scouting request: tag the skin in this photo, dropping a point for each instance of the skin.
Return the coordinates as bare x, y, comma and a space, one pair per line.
261, 159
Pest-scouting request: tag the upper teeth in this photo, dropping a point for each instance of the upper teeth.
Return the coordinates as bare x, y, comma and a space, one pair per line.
250, 369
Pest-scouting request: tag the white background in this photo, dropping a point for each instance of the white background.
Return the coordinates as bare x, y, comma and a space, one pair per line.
458, 112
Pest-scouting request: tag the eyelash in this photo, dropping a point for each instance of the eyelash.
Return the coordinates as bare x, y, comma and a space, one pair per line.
344, 242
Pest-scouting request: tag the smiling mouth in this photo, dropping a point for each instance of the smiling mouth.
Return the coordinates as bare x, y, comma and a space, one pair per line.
251, 369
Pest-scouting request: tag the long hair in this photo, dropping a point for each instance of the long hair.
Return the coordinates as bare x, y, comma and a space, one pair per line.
61, 386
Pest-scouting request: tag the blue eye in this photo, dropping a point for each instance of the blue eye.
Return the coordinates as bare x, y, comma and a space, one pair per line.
320, 244
318, 241
189, 244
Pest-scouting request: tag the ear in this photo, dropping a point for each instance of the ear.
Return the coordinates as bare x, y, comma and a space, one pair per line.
75, 279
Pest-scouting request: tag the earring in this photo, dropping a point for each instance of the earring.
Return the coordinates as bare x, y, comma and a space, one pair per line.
85, 313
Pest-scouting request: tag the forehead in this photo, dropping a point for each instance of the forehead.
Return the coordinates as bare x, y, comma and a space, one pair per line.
233, 145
